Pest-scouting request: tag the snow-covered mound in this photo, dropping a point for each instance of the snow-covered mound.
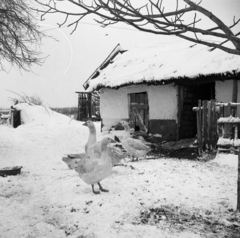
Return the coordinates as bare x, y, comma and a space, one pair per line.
40, 114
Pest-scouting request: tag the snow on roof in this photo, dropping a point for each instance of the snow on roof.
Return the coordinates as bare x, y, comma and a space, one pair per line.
111, 56
163, 63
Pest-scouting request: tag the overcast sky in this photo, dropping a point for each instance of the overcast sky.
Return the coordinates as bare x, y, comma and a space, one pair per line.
73, 58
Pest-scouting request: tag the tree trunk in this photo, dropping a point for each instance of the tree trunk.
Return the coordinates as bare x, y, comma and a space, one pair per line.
234, 99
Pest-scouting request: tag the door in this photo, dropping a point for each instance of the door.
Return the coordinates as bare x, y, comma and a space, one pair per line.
189, 96
138, 111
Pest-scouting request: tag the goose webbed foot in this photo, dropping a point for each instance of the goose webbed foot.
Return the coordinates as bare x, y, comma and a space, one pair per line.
102, 189
95, 192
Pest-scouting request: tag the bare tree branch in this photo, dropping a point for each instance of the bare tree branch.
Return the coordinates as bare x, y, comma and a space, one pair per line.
153, 18
19, 35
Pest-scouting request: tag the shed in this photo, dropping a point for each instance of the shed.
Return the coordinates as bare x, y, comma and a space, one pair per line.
162, 84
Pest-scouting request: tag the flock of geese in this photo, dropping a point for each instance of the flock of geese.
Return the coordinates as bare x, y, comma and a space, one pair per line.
99, 158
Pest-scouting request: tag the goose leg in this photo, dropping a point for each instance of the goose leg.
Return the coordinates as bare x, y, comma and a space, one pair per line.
102, 189
95, 192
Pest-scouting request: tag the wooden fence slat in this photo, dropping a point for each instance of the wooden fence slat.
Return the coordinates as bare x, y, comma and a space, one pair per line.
205, 136
209, 125
214, 124
227, 127
208, 113
199, 128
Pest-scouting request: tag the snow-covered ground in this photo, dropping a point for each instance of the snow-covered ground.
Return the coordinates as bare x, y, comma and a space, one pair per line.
49, 200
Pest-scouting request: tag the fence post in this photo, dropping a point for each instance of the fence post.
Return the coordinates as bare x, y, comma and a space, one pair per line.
209, 118
238, 183
214, 125
227, 113
199, 128
205, 136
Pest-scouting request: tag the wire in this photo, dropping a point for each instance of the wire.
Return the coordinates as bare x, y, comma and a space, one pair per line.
94, 24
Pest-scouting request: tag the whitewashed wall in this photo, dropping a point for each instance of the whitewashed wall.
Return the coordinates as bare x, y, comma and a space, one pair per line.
224, 92
162, 102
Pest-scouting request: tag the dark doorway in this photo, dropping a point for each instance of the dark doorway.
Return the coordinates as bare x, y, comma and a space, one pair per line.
189, 96
16, 117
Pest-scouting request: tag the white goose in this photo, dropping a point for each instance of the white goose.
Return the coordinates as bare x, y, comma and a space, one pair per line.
71, 158
93, 149
134, 147
92, 142
93, 169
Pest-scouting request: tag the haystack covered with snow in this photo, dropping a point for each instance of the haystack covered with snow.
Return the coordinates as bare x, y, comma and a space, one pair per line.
39, 114
164, 82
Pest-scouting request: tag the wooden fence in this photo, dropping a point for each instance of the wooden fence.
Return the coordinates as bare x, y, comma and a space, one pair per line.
218, 126
228, 127
207, 117
211, 126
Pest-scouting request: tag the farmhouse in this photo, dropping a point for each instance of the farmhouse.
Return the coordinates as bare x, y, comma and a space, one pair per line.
162, 84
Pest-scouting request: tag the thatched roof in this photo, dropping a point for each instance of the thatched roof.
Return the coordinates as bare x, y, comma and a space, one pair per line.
167, 63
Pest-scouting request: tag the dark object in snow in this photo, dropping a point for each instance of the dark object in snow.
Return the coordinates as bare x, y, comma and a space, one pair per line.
8, 171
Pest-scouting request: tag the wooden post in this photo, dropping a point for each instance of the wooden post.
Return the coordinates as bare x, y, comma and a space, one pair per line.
180, 108
238, 183
79, 108
199, 127
214, 123
205, 136
90, 105
227, 113
235, 91
209, 125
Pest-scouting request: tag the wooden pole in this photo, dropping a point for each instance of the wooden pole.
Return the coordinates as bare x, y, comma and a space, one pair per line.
180, 108
227, 113
214, 123
235, 91
199, 127
238, 183
209, 126
79, 108
90, 105
205, 135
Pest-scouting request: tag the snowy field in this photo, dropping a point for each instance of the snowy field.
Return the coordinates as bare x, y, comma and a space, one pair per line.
49, 200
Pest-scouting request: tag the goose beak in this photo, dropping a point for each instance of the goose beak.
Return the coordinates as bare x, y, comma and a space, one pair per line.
84, 124
112, 141
119, 124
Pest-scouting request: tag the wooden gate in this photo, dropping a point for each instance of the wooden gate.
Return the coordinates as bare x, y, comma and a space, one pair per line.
88, 106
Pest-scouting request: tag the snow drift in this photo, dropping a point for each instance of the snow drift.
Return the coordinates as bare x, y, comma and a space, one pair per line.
39, 114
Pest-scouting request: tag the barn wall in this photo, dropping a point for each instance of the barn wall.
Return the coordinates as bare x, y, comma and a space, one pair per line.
162, 107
